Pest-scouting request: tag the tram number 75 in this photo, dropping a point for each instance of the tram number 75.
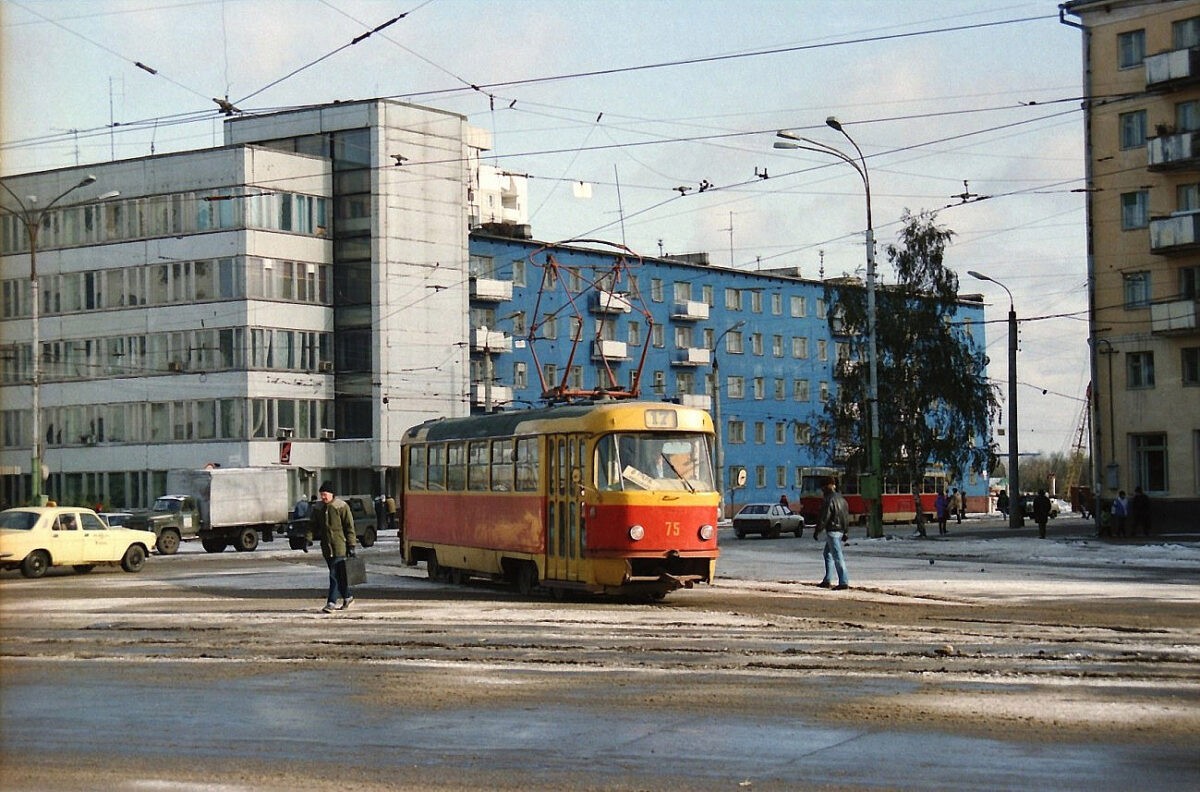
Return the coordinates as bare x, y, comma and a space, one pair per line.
672, 529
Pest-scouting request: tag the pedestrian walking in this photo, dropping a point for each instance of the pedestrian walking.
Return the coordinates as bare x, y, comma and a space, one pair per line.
332, 518
958, 504
1120, 510
834, 520
1041, 512
1002, 503
1139, 512
941, 505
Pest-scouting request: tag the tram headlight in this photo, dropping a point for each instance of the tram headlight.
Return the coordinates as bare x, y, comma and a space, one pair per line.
706, 532
636, 532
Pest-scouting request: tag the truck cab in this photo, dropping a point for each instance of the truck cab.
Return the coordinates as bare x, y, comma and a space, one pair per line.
173, 519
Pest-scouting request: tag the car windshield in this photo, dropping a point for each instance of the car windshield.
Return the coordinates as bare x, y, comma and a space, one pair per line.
18, 520
654, 461
755, 508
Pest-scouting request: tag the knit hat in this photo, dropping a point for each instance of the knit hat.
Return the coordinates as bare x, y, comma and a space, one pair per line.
326, 486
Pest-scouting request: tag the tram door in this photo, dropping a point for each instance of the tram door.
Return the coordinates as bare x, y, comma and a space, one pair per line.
564, 523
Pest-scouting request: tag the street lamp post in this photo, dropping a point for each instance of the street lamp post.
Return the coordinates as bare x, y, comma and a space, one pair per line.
718, 451
31, 217
1015, 516
872, 479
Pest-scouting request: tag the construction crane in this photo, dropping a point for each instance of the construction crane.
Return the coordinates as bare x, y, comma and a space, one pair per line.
1081, 497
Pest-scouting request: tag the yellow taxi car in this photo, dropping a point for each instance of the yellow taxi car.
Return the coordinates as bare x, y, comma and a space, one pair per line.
33, 539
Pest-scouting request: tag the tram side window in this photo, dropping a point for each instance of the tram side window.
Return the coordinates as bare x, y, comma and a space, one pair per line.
502, 465
527, 464
477, 466
456, 467
437, 467
416, 467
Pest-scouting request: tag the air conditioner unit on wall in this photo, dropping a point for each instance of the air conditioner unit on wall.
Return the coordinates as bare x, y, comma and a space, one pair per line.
284, 432
175, 365
325, 367
328, 434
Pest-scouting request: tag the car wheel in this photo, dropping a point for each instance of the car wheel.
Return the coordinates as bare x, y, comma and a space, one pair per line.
213, 545
297, 542
740, 534
369, 536
168, 542
527, 578
83, 569
774, 532
247, 540
799, 532
134, 560
35, 564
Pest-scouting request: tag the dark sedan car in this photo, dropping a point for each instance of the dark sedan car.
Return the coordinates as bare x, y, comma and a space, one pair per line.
767, 519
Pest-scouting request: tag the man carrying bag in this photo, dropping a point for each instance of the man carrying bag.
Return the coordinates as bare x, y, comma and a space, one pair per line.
333, 520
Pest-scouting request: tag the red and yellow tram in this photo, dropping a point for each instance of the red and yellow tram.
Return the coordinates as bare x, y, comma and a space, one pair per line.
899, 505
607, 497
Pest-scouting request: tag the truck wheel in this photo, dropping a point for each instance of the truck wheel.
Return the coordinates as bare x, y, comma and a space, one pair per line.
168, 542
134, 560
213, 544
369, 536
35, 564
246, 541
434, 569
527, 578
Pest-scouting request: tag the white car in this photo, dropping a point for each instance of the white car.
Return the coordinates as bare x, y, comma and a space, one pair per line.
33, 539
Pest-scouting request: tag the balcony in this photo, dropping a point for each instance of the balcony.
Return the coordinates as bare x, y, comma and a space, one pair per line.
1177, 317
492, 341
491, 290
609, 350
1169, 70
1179, 233
697, 400
610, 302
501, 394
692, 356
690, 310
1174, 152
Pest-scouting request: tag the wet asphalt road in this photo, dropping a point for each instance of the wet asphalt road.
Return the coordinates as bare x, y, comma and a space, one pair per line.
217, 672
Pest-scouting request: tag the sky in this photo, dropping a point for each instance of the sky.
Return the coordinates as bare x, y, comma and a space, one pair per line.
969, 109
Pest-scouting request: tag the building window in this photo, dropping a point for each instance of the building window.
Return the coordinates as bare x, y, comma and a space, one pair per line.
659, 385
801, 434
756, 343
1189, 365
550, 374
756, 301
550, 327
1187, 197
822, 349
799, 307
822, 308
1189, 283
518, 272
635, 334
1135, 210
1186, 33
781, 477
737, 432
1137, 289
733, 343
777, 346
683, 291
685, 382
520, 375
799, 347
801, 390
683, 337
760, 476
1187, 116
1150, 461
1140, 370
706, 292
780, 389
760, 432
656, 289
481, 266
760, 388
1131, 48
823, 391
780, 433
735, 387
657, 337
776, 303
733, 299
1133, 129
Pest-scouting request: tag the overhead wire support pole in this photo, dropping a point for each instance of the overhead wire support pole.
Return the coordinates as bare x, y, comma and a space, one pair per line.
872, 477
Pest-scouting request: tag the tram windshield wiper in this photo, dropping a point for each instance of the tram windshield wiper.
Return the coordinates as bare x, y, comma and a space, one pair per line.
675, 470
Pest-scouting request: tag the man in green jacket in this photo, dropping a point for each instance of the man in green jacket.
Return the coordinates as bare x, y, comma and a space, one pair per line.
335, 524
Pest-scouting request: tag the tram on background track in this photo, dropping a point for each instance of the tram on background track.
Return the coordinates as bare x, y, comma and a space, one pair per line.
899, 505
605, 497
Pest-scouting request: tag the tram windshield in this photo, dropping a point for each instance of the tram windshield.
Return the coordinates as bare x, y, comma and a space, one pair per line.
654, 461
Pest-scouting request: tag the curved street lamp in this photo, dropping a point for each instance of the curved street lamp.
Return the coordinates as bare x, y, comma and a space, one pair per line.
872, 479
1015, 516
718, 450
31, 216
